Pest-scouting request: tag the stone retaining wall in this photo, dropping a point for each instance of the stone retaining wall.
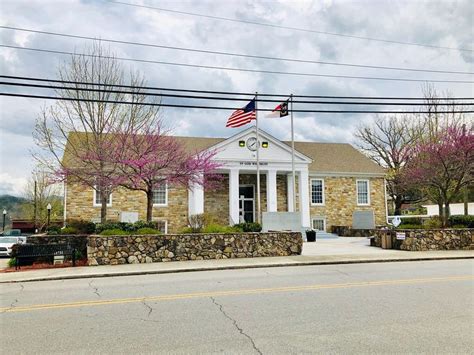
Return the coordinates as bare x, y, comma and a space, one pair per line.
111, 250
428, 239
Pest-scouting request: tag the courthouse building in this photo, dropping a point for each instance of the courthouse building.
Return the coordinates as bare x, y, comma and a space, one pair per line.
333, 181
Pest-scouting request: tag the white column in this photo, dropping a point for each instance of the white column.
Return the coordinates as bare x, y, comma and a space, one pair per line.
303, 182
271, 191
289, 192
195, 199
233, 196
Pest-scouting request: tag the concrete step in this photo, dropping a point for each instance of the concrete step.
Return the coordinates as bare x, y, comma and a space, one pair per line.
325, 235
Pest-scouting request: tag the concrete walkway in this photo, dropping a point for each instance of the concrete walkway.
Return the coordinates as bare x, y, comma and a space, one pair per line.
323, 252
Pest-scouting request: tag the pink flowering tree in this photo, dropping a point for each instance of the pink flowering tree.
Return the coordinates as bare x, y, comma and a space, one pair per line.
443, 165
152, 159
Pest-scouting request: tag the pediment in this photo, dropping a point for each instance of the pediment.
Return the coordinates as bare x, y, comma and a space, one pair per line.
276, 151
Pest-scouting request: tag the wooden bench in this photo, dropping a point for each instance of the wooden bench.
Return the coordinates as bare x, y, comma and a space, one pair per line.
23, 251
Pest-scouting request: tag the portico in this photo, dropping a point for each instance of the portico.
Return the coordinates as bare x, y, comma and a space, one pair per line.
238, 162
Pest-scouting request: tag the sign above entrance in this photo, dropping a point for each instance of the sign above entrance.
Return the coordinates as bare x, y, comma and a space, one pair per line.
250, 163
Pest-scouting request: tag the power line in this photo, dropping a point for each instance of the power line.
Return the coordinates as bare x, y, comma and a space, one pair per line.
211, 107
229, 92
55, 87
291, 28
231, 54
239, 69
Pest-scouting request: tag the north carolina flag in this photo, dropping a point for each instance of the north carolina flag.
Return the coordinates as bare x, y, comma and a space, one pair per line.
280, 111
242, 116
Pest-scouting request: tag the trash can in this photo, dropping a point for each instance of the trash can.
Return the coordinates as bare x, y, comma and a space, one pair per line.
310, 235
386, 241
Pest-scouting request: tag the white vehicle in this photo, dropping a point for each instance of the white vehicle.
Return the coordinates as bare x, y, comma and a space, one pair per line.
6, 244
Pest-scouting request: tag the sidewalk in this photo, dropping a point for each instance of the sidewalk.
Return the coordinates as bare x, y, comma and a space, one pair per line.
323, 252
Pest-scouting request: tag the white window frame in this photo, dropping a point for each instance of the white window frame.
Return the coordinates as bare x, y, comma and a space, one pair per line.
321, 218
166, 224
166, 198
311, 192
94, 195
368, 192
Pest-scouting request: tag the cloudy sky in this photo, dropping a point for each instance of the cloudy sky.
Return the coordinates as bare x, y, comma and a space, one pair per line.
434, 23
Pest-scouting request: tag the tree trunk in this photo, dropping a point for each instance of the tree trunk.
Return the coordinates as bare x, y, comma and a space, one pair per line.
103, 208
149, 205
466, 200
398, 205
446, 214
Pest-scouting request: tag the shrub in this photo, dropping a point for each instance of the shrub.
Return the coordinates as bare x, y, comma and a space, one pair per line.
188, 230
53, 230
433, 223
216, 228
249, 227
12, 262
459, 226
115, 231
127, 227
409, 226
412, 221
82, 227
69, 230
147, 231
461, 220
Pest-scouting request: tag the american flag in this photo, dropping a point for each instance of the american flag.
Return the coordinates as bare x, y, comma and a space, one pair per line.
242, 116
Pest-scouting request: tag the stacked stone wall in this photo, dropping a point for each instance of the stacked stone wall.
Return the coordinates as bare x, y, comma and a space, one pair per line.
111, 250
428, 239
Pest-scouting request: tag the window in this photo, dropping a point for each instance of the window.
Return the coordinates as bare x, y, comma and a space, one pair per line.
317, 191
319, 223
97, 198
160, 195
162, 226
363, 195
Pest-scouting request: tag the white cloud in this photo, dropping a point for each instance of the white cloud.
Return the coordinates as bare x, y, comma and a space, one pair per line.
437, 23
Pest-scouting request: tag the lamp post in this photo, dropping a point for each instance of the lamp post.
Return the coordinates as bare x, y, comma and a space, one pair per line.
4, 217
49, 214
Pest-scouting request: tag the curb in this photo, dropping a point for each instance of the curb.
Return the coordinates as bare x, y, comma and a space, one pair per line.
234, 267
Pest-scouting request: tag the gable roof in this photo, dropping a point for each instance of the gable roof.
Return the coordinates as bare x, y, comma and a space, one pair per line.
332, 158
327, 157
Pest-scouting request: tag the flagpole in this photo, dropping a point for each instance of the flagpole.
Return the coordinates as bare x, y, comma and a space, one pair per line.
258, 159
293, 154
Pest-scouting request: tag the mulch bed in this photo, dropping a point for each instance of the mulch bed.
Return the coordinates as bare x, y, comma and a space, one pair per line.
42, 265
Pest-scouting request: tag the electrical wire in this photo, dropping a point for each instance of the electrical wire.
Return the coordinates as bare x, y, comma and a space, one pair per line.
25, 78
213, 107
239, 69
55, 87
231, 54
290, 28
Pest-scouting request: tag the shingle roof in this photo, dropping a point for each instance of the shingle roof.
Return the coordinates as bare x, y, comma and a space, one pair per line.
327, 157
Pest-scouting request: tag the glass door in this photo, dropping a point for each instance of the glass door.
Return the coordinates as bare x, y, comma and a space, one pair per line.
246, 203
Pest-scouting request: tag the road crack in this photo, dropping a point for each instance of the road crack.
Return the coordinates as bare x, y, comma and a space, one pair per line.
96, 290
150, 308
241, 331
15, 301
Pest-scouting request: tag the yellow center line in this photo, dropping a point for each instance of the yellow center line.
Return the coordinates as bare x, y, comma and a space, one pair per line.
232, 293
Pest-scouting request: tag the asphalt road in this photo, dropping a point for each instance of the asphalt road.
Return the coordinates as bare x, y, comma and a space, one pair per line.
414, 307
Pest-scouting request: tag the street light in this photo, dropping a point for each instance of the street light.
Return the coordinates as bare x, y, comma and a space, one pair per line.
4, 217
49, 214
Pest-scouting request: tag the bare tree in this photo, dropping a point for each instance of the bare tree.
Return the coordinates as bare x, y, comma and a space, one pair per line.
39, 192
386, 143
83, 126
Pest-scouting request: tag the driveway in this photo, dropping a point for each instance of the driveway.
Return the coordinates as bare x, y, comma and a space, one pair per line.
344, 246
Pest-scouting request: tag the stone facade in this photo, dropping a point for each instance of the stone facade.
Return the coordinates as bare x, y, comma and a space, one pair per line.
112, 250
339, 193
340, 201
79, 205
429, 239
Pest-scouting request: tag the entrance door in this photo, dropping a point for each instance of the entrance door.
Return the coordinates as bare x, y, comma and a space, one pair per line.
246, 203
